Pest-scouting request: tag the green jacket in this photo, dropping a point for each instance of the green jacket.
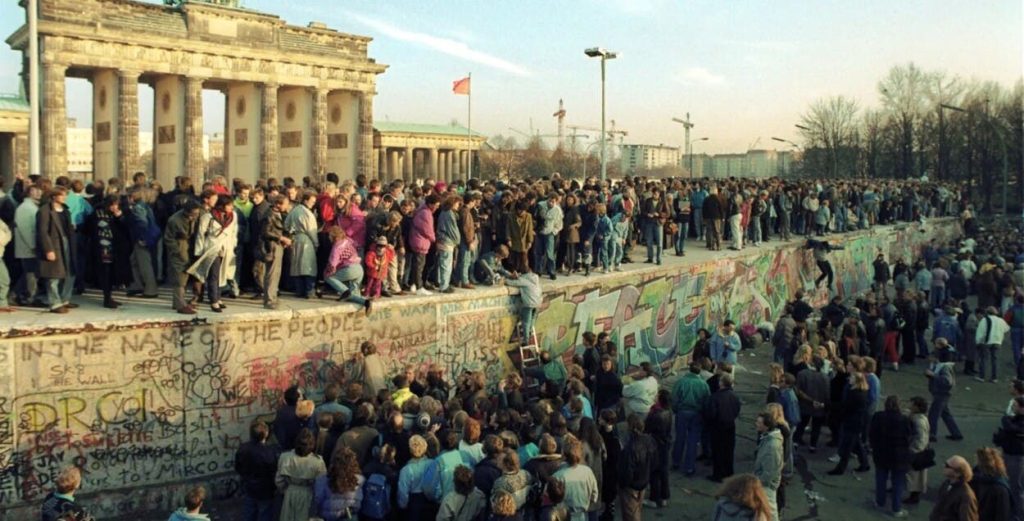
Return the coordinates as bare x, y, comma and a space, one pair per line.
555, 371
690, 394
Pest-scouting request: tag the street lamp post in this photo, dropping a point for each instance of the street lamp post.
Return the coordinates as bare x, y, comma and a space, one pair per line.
791, 143
605, 55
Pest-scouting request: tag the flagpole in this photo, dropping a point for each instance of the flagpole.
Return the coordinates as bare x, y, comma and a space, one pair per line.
469, 127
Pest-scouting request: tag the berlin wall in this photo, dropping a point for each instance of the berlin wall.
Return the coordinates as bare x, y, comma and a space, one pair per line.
145, 410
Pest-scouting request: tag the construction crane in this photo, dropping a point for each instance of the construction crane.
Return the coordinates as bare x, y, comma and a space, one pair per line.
755, 143
560, 114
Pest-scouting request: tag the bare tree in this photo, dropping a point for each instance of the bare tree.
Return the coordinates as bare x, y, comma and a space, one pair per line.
902, 92
831, 126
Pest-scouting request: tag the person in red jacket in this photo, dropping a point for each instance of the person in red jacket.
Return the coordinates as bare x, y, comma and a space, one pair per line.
377, 261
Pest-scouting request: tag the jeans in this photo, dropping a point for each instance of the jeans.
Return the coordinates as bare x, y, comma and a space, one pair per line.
548, 263
684, 230
987, 351
653, 233
29, 281
689, 425
59, 291
698, 222
257, 509
604, 252
938, 296
616, 252
784, 225
898, 479
526, 317
347, 279
940, 408
444, 268
755, 230
466, 259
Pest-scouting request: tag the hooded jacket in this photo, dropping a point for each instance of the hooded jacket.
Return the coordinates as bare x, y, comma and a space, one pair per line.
769, 460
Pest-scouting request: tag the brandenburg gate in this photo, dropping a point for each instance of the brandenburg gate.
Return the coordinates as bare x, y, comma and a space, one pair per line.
299, 100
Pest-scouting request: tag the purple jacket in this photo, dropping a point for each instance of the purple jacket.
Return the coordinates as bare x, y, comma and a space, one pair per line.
421, 235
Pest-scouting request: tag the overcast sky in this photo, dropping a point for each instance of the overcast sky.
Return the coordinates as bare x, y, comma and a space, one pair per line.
744, 70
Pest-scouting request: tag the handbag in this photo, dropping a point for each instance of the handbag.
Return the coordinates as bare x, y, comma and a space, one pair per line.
923, 460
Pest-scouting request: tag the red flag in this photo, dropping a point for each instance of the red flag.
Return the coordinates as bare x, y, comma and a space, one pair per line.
461, 86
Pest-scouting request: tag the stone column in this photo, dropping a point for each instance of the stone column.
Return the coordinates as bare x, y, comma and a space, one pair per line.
451, 166
382, 164
54, 131
458, 171
195, 163
432, 170
319, 136
364, 150
269, 141
394, 165
127, 125
407, 164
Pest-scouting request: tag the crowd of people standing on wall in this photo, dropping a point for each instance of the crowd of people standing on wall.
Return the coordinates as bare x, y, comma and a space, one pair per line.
363, 240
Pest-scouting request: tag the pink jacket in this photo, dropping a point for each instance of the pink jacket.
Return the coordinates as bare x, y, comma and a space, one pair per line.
343, 255
354, 224
421, 235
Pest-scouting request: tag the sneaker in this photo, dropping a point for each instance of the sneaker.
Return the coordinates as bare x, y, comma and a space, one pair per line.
834, 458
993, 381
900, 514
979, 379
424, 292
650, 504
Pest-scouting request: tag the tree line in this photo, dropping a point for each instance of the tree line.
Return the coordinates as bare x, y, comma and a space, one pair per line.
927, 123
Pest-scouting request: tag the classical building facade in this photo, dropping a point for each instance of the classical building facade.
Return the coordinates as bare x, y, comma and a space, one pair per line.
410, 151
14, 115
299, 100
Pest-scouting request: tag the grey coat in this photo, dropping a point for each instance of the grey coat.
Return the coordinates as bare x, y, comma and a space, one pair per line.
770, 459
301, 226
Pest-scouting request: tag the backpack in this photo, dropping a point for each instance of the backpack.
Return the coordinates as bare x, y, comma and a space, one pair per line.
376, 497
432, 481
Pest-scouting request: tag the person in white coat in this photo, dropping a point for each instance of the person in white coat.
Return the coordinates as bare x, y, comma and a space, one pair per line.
215, 248
640, 394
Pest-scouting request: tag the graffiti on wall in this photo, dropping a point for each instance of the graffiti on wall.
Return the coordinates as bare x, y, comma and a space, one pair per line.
169, 405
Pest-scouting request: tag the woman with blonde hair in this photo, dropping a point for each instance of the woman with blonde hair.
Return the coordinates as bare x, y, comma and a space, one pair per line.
990, 485
778, 414
742, 497
802, 359
775, 376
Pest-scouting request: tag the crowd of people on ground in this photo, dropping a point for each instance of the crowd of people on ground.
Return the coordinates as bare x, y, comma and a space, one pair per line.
365, 239
584, 438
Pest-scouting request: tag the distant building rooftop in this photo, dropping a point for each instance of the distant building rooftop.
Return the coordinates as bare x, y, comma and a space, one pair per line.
13, 103
422, 128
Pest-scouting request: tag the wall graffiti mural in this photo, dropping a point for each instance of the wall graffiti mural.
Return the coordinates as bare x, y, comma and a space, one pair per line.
169, 405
